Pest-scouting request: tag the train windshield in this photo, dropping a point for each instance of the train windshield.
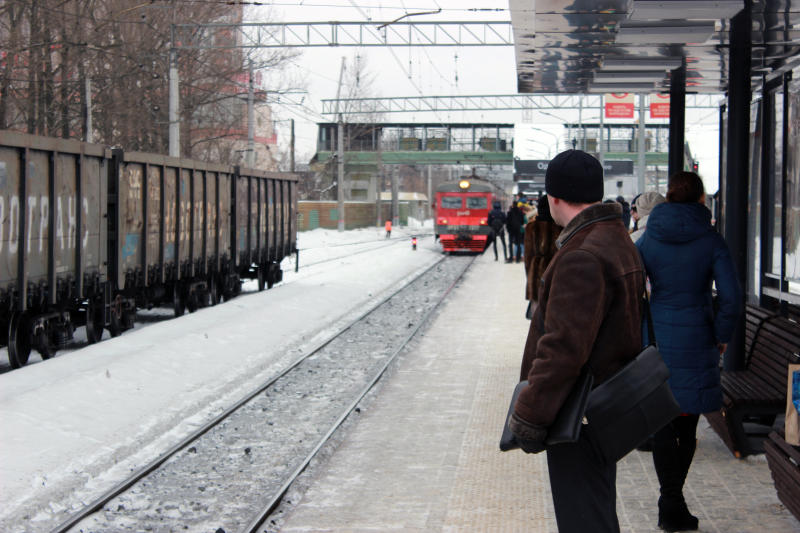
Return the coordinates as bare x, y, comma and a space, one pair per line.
451, 202
477, 202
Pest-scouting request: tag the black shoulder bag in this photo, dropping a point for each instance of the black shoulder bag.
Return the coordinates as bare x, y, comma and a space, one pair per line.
620, 413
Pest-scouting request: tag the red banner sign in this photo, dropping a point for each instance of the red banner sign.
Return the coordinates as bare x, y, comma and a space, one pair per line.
659, 106
619, 105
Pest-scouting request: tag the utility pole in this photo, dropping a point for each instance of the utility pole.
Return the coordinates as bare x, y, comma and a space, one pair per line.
379, 185
340, 157
88, 111
395, 197
291, 142
250, 160
428, 203
174, 121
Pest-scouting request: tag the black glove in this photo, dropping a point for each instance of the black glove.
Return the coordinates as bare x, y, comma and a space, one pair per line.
530, 437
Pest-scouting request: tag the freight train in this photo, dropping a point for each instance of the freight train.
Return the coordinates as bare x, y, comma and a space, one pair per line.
89, 234
462, 211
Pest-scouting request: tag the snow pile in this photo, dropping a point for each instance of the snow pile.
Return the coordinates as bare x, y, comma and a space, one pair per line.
77, 423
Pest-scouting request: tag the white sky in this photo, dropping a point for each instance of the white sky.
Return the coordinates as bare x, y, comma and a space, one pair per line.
432, 71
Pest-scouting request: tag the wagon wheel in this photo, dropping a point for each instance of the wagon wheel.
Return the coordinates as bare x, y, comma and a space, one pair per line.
94, 322
191, 302
115, 326
261, 280
178, 302
237, 286
43, 344
213, 291
19, 340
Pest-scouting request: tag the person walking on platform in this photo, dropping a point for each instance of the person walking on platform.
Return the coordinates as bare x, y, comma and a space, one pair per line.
588, 313
388, 227
515, 222
640, 210
496, 221
540, 247
683, 255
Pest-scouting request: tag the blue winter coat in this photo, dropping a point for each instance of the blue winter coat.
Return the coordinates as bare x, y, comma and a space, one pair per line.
683, 255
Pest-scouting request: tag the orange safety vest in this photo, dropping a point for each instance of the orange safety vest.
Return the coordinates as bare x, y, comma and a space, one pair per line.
388, 225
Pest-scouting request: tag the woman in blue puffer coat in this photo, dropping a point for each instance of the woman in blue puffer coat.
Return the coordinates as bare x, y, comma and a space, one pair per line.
683, 255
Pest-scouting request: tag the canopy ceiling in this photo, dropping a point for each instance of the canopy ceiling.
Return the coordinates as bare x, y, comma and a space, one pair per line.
584, 46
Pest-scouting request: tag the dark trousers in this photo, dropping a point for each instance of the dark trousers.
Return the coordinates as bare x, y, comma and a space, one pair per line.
502, 236
515, 245
673, 450
583, 487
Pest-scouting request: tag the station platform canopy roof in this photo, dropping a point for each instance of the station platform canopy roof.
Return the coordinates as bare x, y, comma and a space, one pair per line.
613, 46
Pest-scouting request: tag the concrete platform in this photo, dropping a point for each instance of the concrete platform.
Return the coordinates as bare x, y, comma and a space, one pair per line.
423, 456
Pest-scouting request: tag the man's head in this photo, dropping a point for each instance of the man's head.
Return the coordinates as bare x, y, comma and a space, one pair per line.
574, 180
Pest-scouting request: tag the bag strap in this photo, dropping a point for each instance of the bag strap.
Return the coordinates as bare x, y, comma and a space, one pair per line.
648, 316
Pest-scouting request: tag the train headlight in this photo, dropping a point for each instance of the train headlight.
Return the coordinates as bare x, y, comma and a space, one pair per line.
442, 221
463, 184
483, 222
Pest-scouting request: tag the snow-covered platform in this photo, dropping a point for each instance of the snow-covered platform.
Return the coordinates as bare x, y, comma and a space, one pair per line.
424, 457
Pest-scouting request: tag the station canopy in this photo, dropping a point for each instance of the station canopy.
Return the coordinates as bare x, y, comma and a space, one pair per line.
630, 46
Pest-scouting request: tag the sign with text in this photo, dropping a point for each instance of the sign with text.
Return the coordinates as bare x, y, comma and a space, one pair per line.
659, 106
530, 167
621, 167
619, 105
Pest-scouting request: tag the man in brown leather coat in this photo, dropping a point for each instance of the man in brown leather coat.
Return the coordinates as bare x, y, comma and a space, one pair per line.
589, 312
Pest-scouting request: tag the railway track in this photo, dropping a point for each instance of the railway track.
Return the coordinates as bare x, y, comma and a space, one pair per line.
231, 473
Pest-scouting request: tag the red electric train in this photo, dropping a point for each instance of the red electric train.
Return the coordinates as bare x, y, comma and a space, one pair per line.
462, 210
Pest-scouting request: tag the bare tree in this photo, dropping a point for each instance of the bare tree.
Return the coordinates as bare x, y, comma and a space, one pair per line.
50, 48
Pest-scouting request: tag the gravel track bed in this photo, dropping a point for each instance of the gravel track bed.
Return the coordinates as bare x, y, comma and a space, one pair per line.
225, 478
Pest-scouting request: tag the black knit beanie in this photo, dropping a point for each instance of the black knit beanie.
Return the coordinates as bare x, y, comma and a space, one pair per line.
575, 176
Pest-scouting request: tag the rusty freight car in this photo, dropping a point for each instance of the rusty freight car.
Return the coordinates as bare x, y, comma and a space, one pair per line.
88, 235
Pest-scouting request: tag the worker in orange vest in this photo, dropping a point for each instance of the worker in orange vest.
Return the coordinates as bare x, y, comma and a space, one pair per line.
388, 227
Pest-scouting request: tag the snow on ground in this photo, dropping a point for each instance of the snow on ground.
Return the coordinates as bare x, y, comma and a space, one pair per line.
76, 424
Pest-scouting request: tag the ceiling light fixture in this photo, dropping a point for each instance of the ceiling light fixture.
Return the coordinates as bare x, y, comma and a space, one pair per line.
674, 33
641, 63
685, 9
624, 76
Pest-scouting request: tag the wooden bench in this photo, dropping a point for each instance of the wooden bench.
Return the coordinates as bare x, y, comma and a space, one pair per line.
784, 464
753, 397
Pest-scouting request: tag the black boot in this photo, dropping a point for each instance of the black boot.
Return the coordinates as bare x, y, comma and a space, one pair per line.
671, 463
673, 515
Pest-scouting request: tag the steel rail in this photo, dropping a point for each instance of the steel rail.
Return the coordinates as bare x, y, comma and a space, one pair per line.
270, 506
150, 467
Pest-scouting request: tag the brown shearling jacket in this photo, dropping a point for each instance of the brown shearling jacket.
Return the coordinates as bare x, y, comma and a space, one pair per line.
589, 310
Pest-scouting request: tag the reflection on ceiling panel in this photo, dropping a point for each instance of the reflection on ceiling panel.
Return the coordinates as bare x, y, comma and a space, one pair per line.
631, 45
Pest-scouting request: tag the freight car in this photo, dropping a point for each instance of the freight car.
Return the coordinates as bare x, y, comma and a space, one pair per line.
89, 234
462, 211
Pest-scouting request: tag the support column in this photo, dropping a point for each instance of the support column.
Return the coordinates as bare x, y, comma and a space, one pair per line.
641, 165
677, 118
736, 177
602, 148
